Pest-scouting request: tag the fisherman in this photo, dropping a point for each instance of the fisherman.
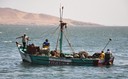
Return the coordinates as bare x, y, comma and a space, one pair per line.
108, 55
108, 51
102, 55
46, 44
25, 40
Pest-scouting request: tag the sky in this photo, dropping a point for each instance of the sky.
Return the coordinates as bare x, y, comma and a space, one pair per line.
105, 12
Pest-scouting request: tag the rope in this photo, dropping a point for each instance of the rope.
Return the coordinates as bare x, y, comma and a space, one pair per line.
67, 33
53, 32
57, 41
47, 34
69, 43
67, 39
52, 35
46, 31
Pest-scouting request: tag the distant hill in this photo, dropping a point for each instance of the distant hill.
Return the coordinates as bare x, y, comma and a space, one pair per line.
16, 17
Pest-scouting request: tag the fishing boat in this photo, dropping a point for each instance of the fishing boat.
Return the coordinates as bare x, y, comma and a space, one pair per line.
44, 56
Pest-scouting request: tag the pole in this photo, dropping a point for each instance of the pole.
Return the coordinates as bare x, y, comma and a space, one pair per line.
61, 29
62, 24
107, 44
61, 36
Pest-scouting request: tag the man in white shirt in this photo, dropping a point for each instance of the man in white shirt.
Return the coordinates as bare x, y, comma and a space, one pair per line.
25, 40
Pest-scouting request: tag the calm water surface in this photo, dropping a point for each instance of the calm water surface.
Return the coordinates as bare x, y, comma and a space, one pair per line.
91, 39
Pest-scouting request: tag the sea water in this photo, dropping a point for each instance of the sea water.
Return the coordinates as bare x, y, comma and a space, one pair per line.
90, 39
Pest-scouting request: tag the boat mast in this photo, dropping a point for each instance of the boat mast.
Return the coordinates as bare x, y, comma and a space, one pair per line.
62, 24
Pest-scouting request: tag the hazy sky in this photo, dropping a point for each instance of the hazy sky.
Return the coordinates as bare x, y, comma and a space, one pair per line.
106, 12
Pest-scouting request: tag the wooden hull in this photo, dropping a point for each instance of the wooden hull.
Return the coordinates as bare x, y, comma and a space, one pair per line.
46, 60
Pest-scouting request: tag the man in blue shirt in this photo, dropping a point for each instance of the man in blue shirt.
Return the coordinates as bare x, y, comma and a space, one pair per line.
46, 44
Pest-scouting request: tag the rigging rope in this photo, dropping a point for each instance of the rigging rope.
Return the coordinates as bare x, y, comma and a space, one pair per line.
57, 41
54, 31
69, 43
49, 33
